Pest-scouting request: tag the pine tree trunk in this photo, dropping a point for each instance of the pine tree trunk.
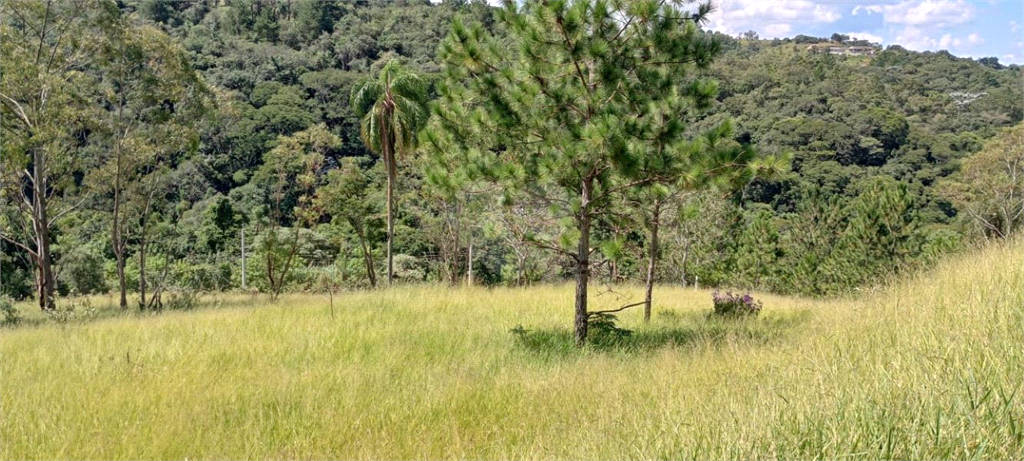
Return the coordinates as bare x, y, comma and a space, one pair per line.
652, 256
583, 265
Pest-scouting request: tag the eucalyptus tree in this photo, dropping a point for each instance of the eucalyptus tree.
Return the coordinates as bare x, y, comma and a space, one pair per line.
988, 188
392, 110
291, 173
584, 99
153, 99
44, 114
351, 196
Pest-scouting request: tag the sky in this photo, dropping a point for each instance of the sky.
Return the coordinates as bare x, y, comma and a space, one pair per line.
966, 28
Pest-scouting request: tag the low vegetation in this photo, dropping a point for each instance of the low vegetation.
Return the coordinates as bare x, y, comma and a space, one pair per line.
927, 369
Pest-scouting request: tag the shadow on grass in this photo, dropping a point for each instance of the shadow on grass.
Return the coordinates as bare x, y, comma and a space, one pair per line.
670, 329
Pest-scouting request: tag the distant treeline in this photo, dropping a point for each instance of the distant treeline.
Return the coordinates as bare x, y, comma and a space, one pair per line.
141, 139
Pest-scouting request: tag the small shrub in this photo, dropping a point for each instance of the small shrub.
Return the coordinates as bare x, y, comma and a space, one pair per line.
602, 326
409, 268
84, 307
63, 313
183, 299
81, 271
11, 314
73, 308
731, 305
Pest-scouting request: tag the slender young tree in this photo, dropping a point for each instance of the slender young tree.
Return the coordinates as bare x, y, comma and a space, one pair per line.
585, 100
154, 98
291, 173
351, 196
392, 108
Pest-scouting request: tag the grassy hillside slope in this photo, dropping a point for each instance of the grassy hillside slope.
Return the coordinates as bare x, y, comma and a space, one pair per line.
929, 369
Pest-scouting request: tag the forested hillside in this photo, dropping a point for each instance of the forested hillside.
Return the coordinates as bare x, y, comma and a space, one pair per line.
157, 132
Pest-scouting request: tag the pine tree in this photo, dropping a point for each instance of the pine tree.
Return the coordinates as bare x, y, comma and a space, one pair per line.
585, 99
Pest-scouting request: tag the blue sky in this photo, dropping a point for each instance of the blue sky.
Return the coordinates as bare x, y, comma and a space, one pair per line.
968, 28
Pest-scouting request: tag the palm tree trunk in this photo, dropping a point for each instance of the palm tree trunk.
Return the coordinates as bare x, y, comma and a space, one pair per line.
391, 213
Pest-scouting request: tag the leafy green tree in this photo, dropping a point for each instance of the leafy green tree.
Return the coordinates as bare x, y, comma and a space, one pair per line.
154, 98
989, 188
392, 108
291, 173
45, 109
584, 100
349, 196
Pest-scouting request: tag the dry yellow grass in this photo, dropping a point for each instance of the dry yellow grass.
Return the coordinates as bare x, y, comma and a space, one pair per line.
932, 368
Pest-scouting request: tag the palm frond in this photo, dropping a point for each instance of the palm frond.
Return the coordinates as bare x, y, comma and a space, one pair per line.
365, 96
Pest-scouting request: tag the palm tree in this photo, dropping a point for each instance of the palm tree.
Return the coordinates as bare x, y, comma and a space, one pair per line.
392, 109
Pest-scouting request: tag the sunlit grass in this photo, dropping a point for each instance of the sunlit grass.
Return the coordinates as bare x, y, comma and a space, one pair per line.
932, 368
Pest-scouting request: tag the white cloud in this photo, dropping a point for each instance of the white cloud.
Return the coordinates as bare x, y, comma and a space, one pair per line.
918, 39
777, 30
869, 9
932, 13
1014, 26
865, 36
915, 38
948, 41
771, 19
924, 20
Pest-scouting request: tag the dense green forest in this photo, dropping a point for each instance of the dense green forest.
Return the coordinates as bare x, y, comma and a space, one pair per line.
142, 139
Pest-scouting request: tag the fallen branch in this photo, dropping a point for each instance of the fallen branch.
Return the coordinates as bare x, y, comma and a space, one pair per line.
609, 311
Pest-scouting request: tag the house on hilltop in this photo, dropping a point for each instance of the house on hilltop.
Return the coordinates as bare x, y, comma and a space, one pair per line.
848, 50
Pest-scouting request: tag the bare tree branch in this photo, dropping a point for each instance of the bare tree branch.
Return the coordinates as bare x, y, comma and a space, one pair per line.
17, 109
18, 244
627, 306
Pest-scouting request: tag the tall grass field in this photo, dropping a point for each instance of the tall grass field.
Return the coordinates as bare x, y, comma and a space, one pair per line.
930, 368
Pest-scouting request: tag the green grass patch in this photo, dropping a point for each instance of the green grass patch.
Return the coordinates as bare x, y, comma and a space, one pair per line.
929, 369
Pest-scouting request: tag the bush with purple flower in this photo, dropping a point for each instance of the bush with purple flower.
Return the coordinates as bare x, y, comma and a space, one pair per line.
731, 305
